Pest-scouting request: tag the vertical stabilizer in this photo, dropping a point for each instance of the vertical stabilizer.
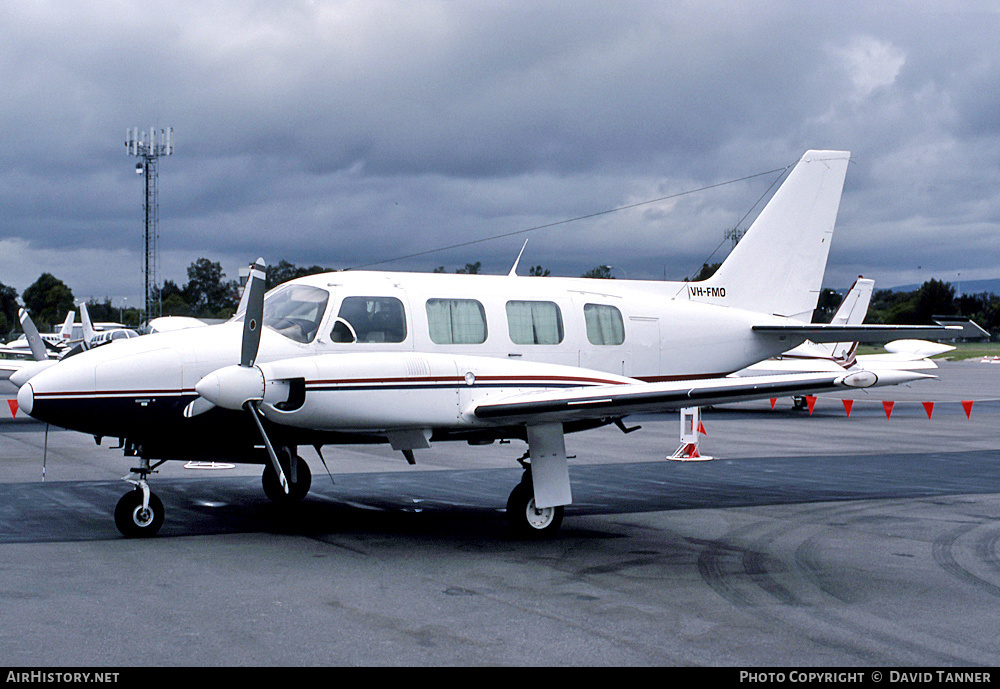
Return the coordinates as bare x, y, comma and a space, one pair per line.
778, 266
852, 311
66, 332
88, 327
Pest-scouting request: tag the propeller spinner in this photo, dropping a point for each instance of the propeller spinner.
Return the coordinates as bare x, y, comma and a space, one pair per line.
242, 386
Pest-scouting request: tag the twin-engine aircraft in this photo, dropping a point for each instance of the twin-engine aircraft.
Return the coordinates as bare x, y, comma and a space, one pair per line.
414, 359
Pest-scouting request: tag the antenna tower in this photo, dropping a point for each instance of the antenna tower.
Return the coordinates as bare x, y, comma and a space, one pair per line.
735, 235
150, 147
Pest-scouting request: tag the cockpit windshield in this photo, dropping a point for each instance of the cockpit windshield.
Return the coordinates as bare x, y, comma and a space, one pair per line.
295, 311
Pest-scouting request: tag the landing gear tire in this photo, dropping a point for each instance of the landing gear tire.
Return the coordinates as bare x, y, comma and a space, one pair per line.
526, 520
134, 521
297, 489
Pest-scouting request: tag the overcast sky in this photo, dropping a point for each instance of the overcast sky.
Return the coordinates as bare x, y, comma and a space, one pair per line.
347, 133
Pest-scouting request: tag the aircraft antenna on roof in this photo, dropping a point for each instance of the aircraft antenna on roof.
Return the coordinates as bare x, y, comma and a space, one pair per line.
150, 147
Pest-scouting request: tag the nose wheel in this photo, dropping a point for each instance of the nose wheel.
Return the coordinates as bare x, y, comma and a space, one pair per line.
139, 513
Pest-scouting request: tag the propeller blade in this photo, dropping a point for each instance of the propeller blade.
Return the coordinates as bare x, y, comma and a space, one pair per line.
235, 388
251, 407
32, 336
254, 314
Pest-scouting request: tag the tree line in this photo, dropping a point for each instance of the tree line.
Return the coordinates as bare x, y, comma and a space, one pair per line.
918, 307
209, 294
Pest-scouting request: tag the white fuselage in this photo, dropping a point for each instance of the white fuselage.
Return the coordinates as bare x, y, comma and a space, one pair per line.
649, 331
664, 334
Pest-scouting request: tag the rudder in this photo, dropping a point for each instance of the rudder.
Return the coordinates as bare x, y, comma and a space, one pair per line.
778, 266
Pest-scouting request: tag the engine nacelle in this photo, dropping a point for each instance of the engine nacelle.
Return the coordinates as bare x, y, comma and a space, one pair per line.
232, 387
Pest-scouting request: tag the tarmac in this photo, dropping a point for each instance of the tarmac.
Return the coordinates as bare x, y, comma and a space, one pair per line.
863, 540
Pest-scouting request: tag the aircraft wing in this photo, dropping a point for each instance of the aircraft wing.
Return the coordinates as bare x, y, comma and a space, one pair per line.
9, 366
621, 400
19, 371
825, 332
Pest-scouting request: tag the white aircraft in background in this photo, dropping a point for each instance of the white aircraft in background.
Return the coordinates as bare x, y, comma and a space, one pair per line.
909, 354
92, 337
33, 352
901, 355
165, 324
412, 359
55, 344
22, 361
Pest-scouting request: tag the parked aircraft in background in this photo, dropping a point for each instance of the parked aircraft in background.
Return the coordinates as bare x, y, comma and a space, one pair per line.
39, 355
910, 355
169, 323
905, 355
414, 359
55, 344
92, 337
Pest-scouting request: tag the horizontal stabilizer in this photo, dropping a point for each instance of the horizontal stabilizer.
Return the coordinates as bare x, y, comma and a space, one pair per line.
969, 328
822, 332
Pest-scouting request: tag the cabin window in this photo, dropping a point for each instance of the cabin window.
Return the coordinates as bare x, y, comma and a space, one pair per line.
604, 324
456, 321
370, 319
295, 311
534, 322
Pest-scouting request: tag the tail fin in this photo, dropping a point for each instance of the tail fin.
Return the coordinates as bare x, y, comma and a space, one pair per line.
852, 311
778, 266
88, 327
66, 333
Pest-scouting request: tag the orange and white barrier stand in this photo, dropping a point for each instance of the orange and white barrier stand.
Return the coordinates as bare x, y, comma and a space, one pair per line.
691, 431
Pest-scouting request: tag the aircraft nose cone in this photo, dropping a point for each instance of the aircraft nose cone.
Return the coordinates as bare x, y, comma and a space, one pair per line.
26, 398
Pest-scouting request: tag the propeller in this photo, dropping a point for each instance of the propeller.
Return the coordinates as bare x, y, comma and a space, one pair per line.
35, 341
242, 386
38, 352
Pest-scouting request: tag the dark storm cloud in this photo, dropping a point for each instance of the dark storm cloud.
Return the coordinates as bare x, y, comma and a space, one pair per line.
346, 133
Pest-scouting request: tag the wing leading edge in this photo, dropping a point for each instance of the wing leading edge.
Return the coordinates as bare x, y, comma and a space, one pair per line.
621, 400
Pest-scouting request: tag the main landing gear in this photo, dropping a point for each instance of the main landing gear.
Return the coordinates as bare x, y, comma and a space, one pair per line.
524, 519
296, 472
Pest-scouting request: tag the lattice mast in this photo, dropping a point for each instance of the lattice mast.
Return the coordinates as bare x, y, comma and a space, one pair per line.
150, 147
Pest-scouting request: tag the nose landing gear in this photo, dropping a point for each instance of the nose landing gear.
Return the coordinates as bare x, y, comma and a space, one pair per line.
139, 514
